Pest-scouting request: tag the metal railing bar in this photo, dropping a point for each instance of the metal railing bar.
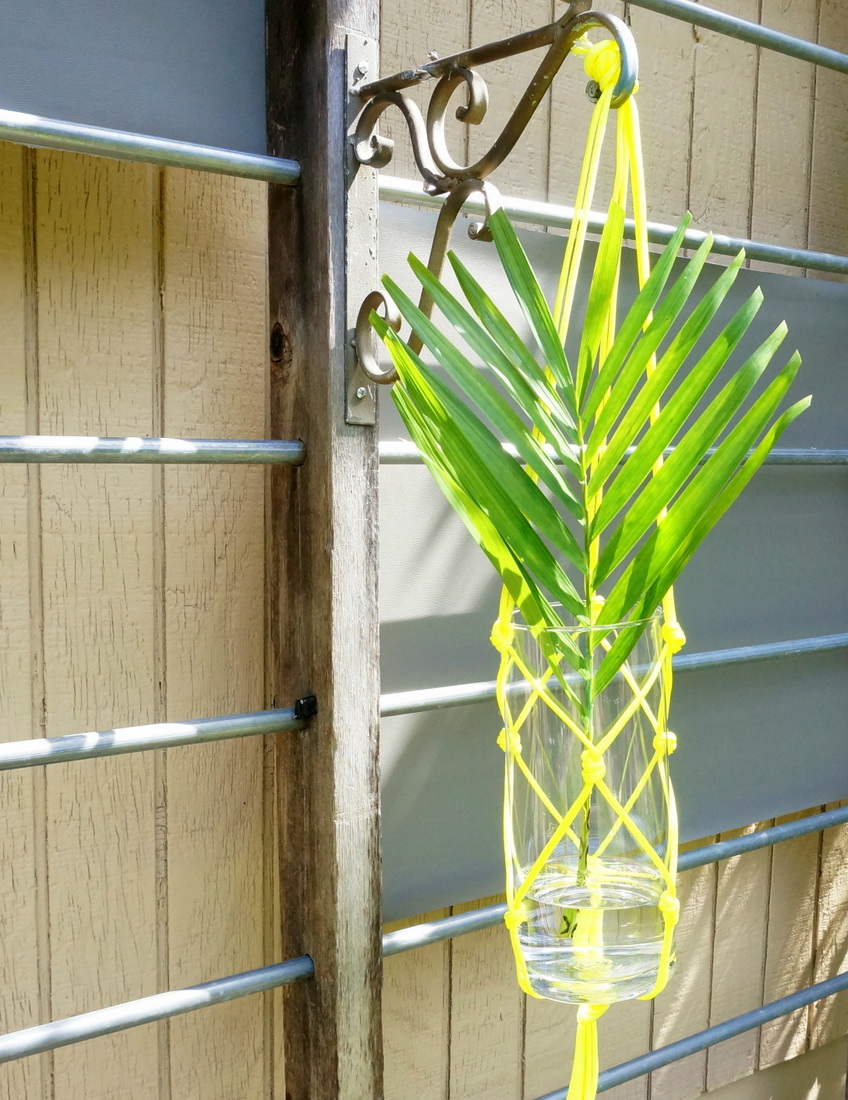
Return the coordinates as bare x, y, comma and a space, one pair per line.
153, 451
731, 26
159, 735
764, 838
76, 137
422, 935
146, 1010
458, 695
447, 928
402, 453
665, 1056
768, 651
411, 193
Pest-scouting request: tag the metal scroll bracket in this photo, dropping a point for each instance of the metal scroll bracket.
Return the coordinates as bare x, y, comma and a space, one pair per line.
443, 174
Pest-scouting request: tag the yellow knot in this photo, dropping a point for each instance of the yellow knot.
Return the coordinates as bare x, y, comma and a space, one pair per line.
502, 636
673, 636
669, 906
510, 741
665, 743
513, 918
603, 63
594, 768
587, 1013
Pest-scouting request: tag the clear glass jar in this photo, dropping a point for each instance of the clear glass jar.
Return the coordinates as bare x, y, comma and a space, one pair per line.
588, 813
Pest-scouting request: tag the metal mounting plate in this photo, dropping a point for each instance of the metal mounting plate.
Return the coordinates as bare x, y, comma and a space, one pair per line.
362, 60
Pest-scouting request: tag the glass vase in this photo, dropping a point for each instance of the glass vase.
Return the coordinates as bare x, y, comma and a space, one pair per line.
590, 860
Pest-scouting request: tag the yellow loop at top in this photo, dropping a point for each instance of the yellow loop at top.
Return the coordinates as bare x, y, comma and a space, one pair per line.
587, 1013
603, 64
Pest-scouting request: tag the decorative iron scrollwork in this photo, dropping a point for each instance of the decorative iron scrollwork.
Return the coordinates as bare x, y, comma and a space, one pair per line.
442, 173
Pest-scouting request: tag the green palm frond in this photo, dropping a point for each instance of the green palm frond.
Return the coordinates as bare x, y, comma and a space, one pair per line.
579, 504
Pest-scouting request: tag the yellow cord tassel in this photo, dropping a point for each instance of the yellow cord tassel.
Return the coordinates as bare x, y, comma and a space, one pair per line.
584, 1074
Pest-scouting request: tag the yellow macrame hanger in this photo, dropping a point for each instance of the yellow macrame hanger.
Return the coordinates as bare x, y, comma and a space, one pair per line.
602, 63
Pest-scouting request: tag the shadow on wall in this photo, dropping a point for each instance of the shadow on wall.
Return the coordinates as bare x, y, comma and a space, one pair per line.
442, 786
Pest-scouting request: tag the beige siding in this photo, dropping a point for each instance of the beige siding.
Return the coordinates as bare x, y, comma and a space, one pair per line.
133, 302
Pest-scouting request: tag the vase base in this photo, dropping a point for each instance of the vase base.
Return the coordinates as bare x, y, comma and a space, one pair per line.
595, 954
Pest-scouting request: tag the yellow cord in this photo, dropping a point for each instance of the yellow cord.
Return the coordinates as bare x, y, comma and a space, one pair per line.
602, 63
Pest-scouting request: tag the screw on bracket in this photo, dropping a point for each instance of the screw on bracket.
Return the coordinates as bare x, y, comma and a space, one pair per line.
307, 707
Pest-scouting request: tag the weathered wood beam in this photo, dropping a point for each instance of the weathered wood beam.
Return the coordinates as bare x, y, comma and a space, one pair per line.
322, 558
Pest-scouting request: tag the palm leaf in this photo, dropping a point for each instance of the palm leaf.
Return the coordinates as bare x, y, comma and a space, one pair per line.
588, 444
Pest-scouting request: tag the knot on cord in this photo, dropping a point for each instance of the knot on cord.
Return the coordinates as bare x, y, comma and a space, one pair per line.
513, 918
603, 63
502, 636
510, 741
587, 1013
665, 742
673, 636
669, 906
594, 768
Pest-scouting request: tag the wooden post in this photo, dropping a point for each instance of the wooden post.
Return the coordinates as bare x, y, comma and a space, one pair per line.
323, 559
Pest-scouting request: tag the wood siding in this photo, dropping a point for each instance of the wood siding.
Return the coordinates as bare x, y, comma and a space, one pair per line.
133, 301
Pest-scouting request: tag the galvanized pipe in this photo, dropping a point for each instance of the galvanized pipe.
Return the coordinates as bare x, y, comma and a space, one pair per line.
421, 935
75, 137
459, 695
401, 453
692, 1044
138, 449
146, 1010
159, 735
733, 27
410, 193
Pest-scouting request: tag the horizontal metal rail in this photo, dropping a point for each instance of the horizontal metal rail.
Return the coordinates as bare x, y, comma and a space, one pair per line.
448, 928
158, 735
733, 27
458, 695
75, 137
665, 1056
408, 192
152, 451
141, 450
401, 453
146, 1010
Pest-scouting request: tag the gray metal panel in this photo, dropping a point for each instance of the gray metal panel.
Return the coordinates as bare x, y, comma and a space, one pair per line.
192, 70
755, 741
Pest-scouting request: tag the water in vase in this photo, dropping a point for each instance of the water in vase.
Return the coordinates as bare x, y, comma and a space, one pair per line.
596, 943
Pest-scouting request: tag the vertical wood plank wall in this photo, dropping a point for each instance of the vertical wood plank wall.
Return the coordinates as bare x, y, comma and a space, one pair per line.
133, 302
754, 145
